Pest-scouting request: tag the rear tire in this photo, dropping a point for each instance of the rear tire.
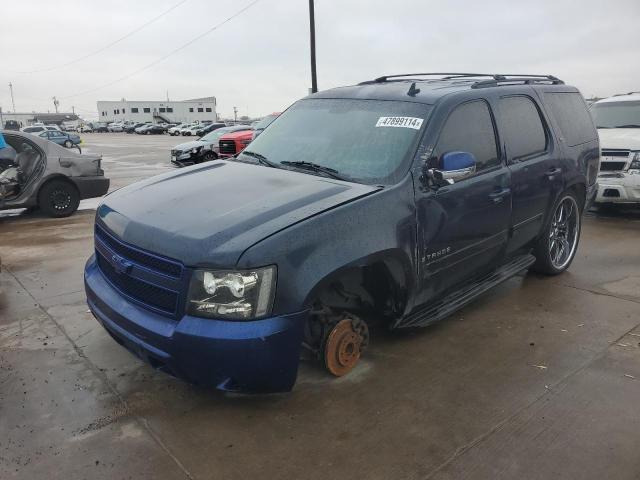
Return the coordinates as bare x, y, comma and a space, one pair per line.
558, 243
68, 143
209, 156
59, 198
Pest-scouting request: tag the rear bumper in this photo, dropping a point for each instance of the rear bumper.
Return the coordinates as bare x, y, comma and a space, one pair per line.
90, 187
253, 356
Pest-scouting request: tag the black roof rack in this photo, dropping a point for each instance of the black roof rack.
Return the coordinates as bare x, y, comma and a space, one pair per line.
384, 78
509, 78
494, 79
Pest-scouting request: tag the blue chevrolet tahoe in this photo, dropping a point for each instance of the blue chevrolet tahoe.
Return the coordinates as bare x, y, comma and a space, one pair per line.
394, 202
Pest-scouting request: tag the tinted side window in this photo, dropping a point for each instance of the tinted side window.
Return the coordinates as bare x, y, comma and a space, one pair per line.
522, 127
572, 116
469, 128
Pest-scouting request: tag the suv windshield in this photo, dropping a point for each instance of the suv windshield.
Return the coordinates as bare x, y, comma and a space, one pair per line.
616, 114
367, 141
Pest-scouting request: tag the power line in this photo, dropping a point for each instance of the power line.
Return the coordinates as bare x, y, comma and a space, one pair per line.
102, 49
155, 62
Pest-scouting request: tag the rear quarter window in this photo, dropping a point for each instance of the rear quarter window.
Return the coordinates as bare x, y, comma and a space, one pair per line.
572, 117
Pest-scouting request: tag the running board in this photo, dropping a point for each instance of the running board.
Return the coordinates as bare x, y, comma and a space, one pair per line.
431, 313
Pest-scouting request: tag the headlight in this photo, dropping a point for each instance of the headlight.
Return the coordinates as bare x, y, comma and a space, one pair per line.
635, 161
239, 295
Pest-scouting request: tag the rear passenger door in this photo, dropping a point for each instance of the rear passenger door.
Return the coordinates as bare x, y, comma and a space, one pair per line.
536, 174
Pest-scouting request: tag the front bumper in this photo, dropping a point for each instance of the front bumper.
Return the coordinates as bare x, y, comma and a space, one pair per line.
245, 356
619, 187
91, 187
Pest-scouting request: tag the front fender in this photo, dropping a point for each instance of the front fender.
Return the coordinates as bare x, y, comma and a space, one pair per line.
377, 227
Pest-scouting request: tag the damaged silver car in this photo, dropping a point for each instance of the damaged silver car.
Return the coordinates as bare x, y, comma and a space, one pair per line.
37, 173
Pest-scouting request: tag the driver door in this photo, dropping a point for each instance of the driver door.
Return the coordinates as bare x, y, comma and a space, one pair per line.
463, 226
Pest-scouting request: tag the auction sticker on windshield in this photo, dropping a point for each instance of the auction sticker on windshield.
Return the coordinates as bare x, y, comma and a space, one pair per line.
405, 122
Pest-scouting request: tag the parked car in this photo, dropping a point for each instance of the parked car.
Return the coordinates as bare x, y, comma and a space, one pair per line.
187, 132
47, 176
208, 127
398, 200
100, 127
167, 126
618, 122
85, 128
201, 150
259, 126
185, 128
11, 125
175, 130
233, 143
115, 127
37, 128
67, 140
131, 128
150, 129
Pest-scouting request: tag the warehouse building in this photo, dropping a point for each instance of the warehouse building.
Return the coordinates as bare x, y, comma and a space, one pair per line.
197, 109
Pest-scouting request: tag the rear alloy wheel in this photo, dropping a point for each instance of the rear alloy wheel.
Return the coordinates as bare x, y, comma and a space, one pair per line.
68, 143
59, 198
557, 247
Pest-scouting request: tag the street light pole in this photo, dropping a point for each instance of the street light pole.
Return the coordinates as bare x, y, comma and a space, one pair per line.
12, 102
312, 35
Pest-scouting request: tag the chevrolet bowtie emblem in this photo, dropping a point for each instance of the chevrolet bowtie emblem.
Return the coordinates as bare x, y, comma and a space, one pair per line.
120, 264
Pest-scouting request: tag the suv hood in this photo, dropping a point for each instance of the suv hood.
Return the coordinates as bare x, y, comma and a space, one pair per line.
623, 138
208, 215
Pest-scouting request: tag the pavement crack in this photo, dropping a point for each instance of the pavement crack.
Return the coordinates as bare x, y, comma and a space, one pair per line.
143, 422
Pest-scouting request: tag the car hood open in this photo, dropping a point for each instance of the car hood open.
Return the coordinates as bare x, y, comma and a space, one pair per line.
183, 147
208, 215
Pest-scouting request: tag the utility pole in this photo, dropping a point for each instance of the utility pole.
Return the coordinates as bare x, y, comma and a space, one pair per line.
73, 110
56, 103
235, 114
312, 35
12, 102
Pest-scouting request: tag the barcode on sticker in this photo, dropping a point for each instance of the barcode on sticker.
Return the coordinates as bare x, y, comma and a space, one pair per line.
405, 122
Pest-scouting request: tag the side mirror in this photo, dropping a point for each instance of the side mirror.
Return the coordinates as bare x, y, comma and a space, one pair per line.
456, 166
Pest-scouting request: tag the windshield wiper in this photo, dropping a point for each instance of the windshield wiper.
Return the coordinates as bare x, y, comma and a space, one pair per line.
261, 158
631, 125
314, 167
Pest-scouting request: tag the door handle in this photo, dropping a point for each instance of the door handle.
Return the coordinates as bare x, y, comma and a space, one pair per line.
499, 195
552, 172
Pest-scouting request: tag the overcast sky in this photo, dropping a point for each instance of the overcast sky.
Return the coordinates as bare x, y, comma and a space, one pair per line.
259, 61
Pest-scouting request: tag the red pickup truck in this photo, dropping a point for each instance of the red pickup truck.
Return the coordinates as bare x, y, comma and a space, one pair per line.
234, 142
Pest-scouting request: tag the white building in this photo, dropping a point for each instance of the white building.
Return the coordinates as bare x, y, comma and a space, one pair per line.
158, 111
